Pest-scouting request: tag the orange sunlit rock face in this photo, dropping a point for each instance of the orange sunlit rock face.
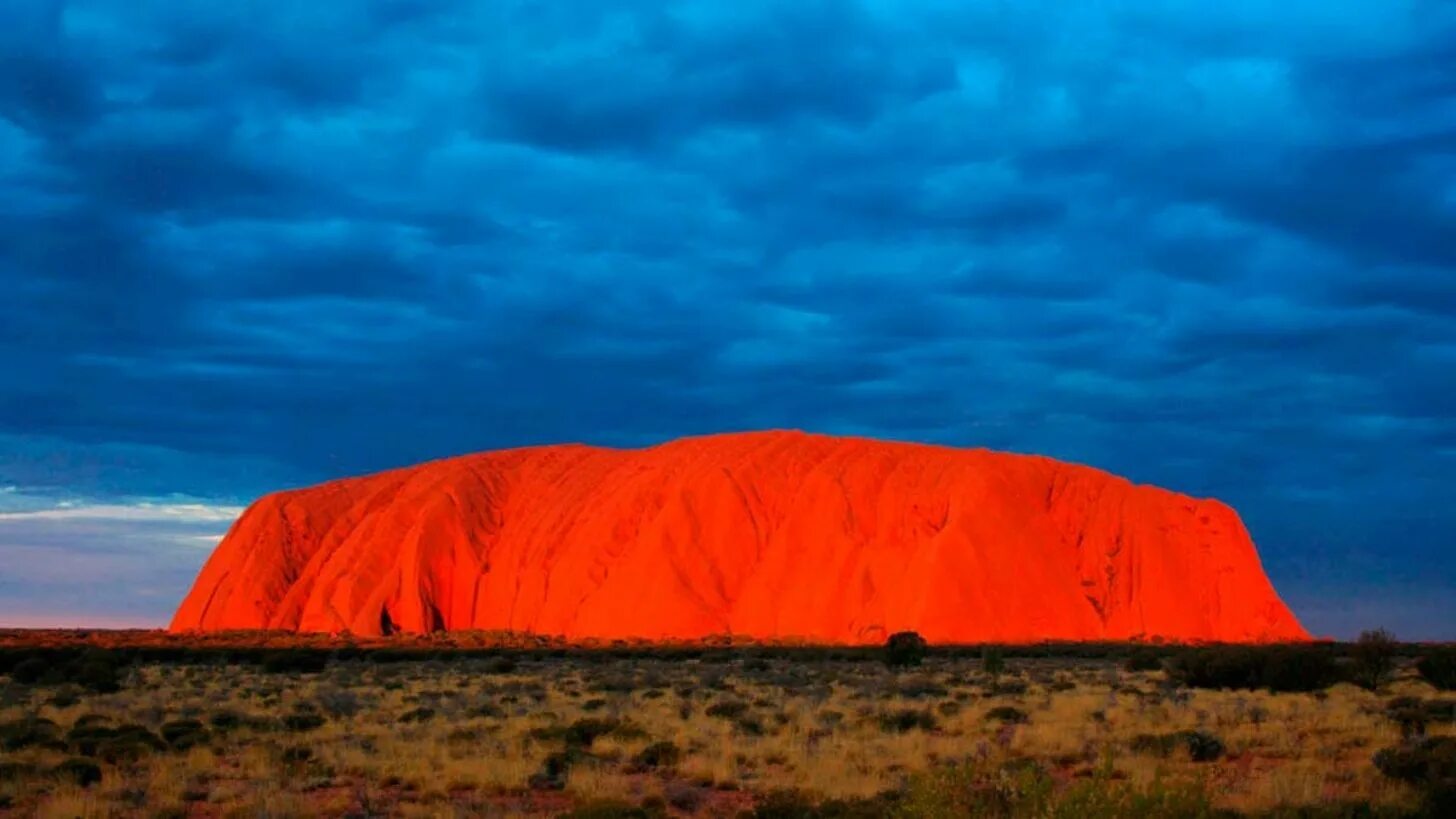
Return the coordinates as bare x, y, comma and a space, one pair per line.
771, 535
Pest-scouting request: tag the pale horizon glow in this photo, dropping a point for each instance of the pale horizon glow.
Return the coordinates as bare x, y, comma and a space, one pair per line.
72, 620
142, 511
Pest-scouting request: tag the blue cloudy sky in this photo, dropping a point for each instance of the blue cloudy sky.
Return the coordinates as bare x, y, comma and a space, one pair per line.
253, 245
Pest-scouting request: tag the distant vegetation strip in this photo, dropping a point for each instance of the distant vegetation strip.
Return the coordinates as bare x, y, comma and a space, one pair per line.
56, 656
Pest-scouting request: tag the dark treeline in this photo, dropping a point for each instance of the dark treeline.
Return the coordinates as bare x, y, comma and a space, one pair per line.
1278, 667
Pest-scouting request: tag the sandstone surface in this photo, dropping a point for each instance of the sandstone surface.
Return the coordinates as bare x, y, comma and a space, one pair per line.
772, 535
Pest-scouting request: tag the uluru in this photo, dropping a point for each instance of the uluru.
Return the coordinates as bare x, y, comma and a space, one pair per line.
776, 535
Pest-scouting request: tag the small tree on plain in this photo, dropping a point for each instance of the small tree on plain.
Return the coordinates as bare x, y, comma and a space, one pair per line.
904, 648
993, 663
1438, 667
1374, 656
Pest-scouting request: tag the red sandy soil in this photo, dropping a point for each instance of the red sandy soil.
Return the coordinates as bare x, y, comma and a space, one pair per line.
770, 536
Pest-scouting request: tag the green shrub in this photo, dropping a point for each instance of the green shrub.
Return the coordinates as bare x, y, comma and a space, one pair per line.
750, 725
300, 721
1284, 668
126, 743
78, 771
65, 697
993, 662
1008, 688
584, 732
578, 735
500, 665
1299, 668
1373, 659
1442, 711
905, 720
727, 709
1152, 744
1220, 667
91, 719
296, 755
554, 770
295, 661
1438, 667
1007, 714
183, 733
339, 702
97, 675
1428, 765
916, 689
1143, 659
85, 739
1201, 745
1431, 759
12, 771
1413, 714
658, 755
93, 670
28, 732
904, 649
30, 671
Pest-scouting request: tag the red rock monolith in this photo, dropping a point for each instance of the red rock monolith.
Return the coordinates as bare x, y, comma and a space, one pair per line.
769, 535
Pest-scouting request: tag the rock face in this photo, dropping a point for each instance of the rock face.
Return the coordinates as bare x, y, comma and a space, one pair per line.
765, 535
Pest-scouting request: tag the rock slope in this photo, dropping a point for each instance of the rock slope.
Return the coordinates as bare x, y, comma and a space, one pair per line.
775, 535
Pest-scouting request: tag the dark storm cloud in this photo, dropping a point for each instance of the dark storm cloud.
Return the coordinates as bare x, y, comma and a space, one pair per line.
256, 246
697, 69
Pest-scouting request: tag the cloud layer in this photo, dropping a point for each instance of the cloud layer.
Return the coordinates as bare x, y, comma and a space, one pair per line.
116, 564
255, 247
